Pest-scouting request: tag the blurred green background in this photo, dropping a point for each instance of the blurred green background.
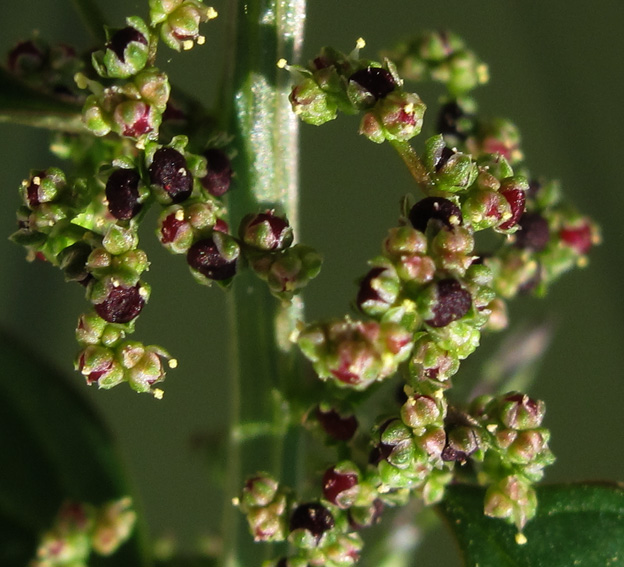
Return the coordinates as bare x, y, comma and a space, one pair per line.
556, 70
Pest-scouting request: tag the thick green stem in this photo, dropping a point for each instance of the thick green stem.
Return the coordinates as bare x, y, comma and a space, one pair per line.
264, 364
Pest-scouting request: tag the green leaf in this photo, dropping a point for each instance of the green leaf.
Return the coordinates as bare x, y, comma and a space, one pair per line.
576, 524
52, 448
21, 104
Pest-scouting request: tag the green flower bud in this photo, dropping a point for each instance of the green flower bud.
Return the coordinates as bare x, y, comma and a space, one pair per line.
378, 291
143, 365
266, 231
136, 119
126, 51
259, 490
90, 329
486, 209
435, 485
461, 72
404, 241
153, 87
312, 104
450, 170
118, 239
431, 366
175, 232
180, 29
43, 187
518, 411
497, 136
291, 270
459, 338
95, 118
397, 117
511, 499
420, 411
99, 366
160, 9
344, 551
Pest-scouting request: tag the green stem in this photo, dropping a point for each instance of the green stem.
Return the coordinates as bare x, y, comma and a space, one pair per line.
264, 364
414, 164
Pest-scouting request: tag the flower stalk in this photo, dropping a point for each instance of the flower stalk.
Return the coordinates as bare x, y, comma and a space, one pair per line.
264, 368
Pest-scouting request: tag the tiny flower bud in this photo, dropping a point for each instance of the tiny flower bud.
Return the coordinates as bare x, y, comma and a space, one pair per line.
404, 240
461, 442
419, 411
43, 187
341, 428
533, 233
135, 118
451, 170
511, 499
169, 176
266, 231
175, 232
445, 213
379, 289
340, 485
452, 303
518, 411
126, 51
514, 190
208, 257
219, 177
118, 240
259, 490
396, 117
312, 104
371, 83
314, 518
122, 304
180, 30
579, 236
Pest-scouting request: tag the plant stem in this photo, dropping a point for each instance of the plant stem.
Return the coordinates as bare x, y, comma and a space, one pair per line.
414, 164
263, 361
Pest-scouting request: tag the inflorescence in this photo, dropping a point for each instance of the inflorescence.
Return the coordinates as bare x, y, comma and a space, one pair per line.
421, 306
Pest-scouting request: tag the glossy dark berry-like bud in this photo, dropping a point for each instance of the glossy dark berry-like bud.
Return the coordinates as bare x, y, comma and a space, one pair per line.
126, 52
534, 233
219, 177
122, 304
444, 212
341, 428
122, 38
122, 193
170, 173
340, 485
312, 517
206, 257
377, 81
452, 303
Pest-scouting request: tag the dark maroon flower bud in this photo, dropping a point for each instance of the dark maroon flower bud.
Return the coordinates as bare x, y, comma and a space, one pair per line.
336, 426
122, 193
452, 303
26, 56
336, 483
578, 237
461, 442
32, 191
534, 232
444, 212
377, 81
170, 227
169, 172
121, 40
122, 304
219, 177
450, 120
314, 518
516, 199
205, 257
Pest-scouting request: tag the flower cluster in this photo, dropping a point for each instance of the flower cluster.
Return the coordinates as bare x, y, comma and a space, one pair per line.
335, 82
426, 300
80, 529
